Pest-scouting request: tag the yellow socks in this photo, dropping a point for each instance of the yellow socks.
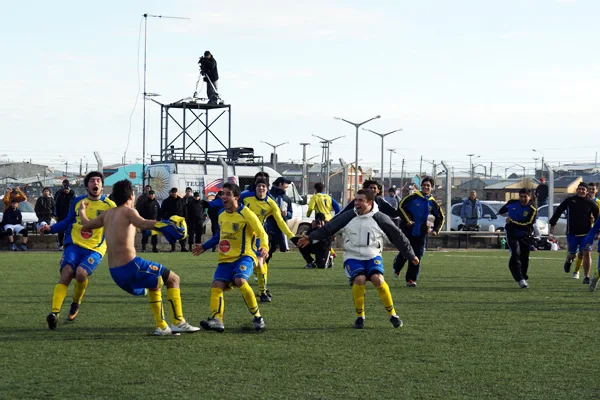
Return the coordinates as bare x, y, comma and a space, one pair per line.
249, 299
578, 263
262, 278
60, 292
174, 299
217, 305
386, 298
155, 301
358, 294
79, 291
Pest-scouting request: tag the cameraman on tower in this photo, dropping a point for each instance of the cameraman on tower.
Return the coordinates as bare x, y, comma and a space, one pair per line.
208, 69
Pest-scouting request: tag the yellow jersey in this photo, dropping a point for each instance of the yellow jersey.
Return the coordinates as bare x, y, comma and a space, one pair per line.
266, 208
240, 233
321, 203
91, 239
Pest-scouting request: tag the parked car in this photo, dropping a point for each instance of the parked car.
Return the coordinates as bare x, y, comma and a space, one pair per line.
490, 216
561, 226
30, 219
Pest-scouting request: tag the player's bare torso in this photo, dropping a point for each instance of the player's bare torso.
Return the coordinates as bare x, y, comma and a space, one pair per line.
120, 235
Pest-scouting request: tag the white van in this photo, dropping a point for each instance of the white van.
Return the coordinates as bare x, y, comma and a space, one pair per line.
208, 181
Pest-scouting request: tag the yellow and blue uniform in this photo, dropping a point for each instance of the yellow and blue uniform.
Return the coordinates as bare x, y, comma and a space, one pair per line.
324, 204
265, 208
138, 275
83, 247
581, 212
239, 234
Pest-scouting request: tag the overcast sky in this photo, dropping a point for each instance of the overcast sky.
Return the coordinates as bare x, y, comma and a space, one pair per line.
493, 78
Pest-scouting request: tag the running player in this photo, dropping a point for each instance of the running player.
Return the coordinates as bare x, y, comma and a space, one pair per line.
591, 194
364, 229
239, 230
84, 248
581, 212
134, 274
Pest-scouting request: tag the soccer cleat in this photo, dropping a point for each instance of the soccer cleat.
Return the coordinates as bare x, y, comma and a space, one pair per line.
264, 298
310, 265
13, 247
23, 247
575, 275
212, 324
268, 293
259, 324
164, 332
567, 266
52, 320
359, 323
60, 248
184, 327
396, 321
73, 311
411, 283
586, 280
523, 284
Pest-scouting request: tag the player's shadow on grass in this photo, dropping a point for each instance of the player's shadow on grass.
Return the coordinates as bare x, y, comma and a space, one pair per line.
66, 334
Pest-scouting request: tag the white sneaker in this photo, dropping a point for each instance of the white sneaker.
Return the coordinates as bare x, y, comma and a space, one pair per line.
593, 283
184, 327
164, 332
523, 284
575, 275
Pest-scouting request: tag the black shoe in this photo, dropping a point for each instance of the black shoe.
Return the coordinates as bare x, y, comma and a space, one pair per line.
586, 280
264, 298
359, 323
396, 321
73, 311
143, 249
212, 324
155, 250
310, 265
184, 250
269, 293
568, 266
52, 320
259, 324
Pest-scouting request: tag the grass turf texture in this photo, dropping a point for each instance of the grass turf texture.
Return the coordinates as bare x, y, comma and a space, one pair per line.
469, 332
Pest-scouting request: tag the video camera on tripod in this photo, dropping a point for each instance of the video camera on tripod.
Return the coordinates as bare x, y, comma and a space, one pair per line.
210, 75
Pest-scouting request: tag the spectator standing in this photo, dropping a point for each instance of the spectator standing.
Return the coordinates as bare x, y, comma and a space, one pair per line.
62, 204
149, 208
541, 193
12, 223
194, 218
471, 210
213, 216
144, 196
188, 194
44, 207
174, 205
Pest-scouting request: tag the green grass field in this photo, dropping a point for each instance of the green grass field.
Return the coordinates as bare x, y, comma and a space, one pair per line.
469, 333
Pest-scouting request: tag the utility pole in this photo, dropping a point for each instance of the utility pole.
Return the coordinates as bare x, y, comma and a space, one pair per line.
421, 167
543, 164
304, 169
402, 178
80, 166
391, 151
325, 159
274, 160
66, 166
357, 125
382, 136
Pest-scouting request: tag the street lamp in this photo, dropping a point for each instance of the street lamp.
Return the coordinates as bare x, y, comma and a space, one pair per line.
515, 165
382, 136
391, 151
542, 170
274, 151
356, 125
471, 168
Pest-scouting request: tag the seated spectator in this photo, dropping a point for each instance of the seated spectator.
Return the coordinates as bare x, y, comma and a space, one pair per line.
44, 207
13, 194
321, 250
12, 221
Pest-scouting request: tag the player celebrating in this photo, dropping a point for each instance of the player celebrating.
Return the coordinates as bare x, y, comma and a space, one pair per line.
134, 274
581, 212
519, 230
239, 229
364, 228
591, 194
264, 207
84, 248
415, 209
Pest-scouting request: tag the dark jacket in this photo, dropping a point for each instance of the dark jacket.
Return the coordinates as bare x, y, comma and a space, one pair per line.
541, 192
581, 213
284, 203
195, 210
149, 209
209, 67
142, 197
62, 203
416, 208
172, 206
44, 209
12, 217
323, 244
522, 219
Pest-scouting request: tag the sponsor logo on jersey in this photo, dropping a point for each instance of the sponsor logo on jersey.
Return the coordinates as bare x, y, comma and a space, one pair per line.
263, 212
235, 226
224, 246
87, 233
525, 213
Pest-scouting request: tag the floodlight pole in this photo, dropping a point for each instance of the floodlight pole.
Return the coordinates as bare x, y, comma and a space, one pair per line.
304, 169
382, 136
274, 152
357, 125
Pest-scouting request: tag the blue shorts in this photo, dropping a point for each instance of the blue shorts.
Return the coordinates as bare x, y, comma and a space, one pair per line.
75, 256
241, 268
364, 267
575, 242
138, 275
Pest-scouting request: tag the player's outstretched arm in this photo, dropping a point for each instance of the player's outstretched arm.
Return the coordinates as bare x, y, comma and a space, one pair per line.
86, 222
136, 220
279, 219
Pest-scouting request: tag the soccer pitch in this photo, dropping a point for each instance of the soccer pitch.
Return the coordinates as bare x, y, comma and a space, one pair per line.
469, 333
